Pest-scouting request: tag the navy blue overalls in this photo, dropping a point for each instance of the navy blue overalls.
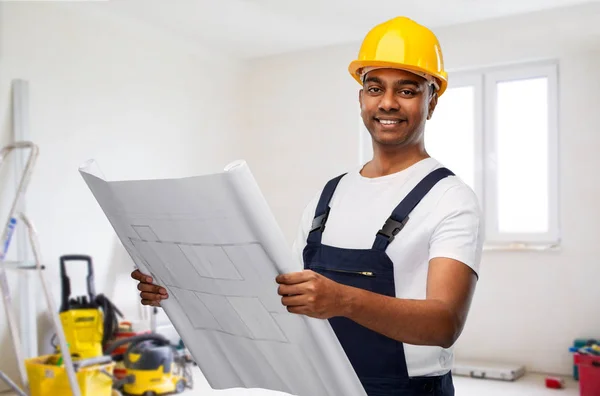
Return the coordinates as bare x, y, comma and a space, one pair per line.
378, 360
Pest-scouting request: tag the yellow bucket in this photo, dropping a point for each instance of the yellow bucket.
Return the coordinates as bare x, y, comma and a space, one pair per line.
48, 379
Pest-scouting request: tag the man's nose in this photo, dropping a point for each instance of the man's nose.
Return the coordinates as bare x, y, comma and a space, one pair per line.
388, 102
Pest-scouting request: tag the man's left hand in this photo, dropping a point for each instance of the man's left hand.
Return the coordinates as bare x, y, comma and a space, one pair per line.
312, 294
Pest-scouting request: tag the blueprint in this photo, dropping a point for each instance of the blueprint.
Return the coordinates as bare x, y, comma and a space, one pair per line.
213, 243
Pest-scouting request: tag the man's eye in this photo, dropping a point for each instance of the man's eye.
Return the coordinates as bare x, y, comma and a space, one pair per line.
374, 90
407, 92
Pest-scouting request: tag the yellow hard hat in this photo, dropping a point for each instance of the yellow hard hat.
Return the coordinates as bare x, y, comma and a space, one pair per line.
401, 43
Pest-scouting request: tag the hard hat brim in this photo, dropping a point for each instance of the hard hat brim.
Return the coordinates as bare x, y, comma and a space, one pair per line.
355, 67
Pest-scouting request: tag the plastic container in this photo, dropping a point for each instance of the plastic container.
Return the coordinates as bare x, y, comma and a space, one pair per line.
46, 378
580, 343
589, 374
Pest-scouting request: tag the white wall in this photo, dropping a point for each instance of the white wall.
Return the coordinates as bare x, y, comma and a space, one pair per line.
145, 104
141, 103
529, 306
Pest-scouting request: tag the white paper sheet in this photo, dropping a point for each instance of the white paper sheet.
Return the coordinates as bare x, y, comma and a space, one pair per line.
214, 244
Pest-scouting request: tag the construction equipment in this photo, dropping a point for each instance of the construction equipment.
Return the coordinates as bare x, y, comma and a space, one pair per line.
82, 320
126, 331
32, 234
91, 321
153, 366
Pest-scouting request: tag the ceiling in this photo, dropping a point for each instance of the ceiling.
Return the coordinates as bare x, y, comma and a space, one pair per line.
255, 28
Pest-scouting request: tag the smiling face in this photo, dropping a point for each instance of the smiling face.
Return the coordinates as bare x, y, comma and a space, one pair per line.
395, 105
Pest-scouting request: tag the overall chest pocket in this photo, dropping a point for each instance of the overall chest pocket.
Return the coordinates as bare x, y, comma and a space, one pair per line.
365, 269
359, 278
342, 272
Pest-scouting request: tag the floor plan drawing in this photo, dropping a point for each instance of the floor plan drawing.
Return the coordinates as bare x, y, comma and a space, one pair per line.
230, 311
213, 243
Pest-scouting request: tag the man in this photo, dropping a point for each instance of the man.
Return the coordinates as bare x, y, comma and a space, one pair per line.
391, 249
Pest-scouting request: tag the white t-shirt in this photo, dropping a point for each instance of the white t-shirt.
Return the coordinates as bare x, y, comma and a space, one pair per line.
446, 223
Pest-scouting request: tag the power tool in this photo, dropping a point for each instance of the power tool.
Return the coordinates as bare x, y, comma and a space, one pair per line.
88, 321
153, 366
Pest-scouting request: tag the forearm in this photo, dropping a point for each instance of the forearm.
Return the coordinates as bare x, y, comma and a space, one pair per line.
418, 322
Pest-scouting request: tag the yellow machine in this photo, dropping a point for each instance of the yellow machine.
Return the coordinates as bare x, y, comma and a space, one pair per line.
153, 366
83, 330
88, 321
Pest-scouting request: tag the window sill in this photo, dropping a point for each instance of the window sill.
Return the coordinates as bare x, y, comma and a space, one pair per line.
521, 247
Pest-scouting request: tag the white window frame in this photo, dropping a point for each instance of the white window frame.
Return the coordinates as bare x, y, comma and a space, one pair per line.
484, 82
494, 238
475, 80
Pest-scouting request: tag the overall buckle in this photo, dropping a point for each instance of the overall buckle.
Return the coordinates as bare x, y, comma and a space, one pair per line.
319, 222
391, 228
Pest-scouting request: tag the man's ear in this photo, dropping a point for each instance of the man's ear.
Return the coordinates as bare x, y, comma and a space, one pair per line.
432, 103
360, 94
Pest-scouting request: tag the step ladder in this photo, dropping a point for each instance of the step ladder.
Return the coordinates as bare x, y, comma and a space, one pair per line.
7, 232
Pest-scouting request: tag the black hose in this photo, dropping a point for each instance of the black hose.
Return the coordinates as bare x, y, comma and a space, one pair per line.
134, 340
111, 321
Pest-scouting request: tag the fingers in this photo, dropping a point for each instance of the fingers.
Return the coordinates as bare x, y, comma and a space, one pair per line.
151, 294
151, 303
145, 287
138, 276
293, 278
290, 290
294, 301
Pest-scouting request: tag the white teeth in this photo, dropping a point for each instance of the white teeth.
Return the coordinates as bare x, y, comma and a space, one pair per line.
388, 122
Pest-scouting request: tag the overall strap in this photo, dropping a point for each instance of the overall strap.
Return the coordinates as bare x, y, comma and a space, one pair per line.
399, 216
322, 212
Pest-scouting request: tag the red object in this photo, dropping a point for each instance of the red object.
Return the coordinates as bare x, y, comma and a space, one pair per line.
119, 372
589, 374
554, 383
125, 331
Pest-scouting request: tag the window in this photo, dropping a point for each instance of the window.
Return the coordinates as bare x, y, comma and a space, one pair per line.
497, 130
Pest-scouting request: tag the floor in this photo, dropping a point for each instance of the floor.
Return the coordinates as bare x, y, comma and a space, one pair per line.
529, 385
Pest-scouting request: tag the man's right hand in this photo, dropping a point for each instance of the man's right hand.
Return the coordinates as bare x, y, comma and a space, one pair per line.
150, 293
